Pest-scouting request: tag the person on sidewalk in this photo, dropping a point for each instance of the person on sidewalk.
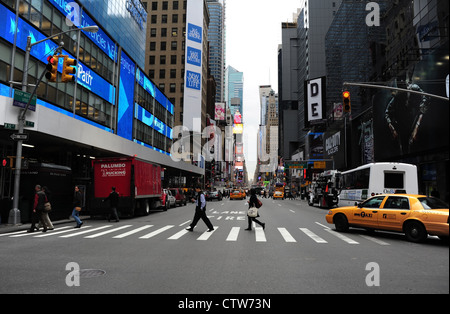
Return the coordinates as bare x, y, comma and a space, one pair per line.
77, 203
45, 216
252, 203
113, 199
38, 208
200, 212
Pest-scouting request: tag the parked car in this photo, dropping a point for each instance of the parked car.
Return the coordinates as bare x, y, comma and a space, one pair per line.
417, 216
167, 199
180, 198
214, 195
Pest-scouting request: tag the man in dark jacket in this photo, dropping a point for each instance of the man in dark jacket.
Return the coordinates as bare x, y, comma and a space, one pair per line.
113, 201
38, 208
200, 212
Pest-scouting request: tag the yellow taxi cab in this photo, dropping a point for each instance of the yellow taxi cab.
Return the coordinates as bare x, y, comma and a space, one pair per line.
237, 195
278, 194
417, 216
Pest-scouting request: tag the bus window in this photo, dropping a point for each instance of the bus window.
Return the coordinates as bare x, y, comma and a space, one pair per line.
394, 180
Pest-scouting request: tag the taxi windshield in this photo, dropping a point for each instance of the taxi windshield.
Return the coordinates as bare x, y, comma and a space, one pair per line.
432, 203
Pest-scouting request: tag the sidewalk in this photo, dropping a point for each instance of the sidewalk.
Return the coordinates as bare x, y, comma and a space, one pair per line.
5, 228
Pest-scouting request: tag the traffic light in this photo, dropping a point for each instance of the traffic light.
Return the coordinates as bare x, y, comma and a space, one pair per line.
7, 162
69, 70
347, 101
52, 68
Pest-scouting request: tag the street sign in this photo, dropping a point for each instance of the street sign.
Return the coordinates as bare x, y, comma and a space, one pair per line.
320, 165
10, 126
19, 137
21, 99
296, 165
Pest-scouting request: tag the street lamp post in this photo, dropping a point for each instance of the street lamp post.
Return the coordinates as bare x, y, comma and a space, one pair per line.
14, 214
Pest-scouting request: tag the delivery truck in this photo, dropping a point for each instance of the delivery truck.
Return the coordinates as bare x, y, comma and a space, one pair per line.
138, 183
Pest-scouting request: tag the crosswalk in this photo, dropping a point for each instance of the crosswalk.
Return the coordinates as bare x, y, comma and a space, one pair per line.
321, 235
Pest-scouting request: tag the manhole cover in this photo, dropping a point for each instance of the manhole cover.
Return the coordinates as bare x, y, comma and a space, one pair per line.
91, 273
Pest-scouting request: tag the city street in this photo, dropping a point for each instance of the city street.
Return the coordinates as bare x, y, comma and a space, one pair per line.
297, 253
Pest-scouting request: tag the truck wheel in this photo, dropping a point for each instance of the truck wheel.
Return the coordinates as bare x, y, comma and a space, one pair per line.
146, 208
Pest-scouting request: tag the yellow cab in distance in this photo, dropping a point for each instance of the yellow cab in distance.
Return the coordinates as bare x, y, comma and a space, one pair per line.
237, 195
417, 216
278, 194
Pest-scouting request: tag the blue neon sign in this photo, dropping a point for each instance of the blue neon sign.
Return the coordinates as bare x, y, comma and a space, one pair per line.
100, 38
86, 77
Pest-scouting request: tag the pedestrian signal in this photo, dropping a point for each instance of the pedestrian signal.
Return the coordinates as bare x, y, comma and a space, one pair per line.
69, 70
52, 68
347, 101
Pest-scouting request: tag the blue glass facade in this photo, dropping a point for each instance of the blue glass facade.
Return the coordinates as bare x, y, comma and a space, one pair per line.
125, 20
102, 59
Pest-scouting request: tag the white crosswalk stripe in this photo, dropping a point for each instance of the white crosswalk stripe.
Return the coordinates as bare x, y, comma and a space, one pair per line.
233, 234
286, 235
154, 233
341, 236
206, 235
83, 232
313, 236
260, 235
107, 231
126, 234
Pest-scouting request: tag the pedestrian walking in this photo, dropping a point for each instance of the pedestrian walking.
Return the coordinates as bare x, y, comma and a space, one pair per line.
77, 202
253, 202
200, 212
45, 217
113, 199
38, 208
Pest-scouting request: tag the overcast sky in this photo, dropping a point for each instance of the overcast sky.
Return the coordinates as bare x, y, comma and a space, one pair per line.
253, 30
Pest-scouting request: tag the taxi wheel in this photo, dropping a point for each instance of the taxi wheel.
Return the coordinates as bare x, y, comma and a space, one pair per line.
415, 232
341, 223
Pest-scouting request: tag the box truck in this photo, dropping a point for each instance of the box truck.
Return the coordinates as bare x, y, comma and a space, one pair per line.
138, 183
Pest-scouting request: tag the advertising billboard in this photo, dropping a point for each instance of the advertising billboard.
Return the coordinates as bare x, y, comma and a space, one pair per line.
406, 123
315, 101
192, 106
220, 112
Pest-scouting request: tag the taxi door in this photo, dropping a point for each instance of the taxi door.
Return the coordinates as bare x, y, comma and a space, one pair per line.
395, 211
366, 214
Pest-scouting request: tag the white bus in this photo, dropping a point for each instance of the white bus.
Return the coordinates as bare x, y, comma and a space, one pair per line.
361, 183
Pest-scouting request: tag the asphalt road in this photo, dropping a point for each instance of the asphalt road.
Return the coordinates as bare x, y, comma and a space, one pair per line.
297, 253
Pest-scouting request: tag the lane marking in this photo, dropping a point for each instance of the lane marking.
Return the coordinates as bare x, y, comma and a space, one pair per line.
106, 232
312, 235
205, 236
83, 232
234, 233
154, 233
286, 235
341, 236
126, 234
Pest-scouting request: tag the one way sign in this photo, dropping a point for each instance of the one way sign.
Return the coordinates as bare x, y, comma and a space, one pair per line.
19, 137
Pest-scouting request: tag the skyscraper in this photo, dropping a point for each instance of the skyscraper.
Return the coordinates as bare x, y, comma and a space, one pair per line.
216, 38
234, 94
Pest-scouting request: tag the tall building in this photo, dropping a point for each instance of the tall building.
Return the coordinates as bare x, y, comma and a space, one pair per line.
288, 87
234, 93
111, 109
166, 52
313, 21
216, 38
